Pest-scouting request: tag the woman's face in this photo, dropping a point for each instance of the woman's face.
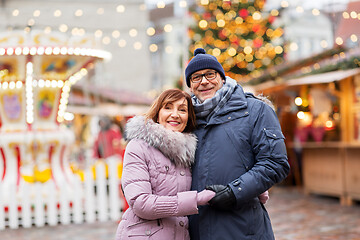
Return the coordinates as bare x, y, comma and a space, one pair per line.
174, 115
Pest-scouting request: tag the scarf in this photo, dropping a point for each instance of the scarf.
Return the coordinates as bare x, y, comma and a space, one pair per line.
212, 105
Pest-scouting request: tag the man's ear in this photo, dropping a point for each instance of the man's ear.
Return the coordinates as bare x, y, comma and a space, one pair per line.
191, 90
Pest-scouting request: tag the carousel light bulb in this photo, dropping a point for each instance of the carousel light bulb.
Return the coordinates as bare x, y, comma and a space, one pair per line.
48, 51
63, 51
18, 51
83, 51
33, 51
10, 51
2, 51
19, 84
77, 51
40, 50
70, 51
59, 119
47, 83
12, 85
66, 88
60, 83
63, 101
83, 71
5, 85
29, 68
72, 80
62, 107
41, 83
68, 116
34, 83
53, 83
56, 50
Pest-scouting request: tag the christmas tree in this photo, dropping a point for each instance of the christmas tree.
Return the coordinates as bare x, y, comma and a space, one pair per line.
239, 34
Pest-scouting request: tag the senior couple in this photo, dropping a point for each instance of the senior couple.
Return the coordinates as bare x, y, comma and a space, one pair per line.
199, 167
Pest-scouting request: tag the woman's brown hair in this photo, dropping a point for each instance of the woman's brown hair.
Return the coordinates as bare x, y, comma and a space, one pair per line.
170, 96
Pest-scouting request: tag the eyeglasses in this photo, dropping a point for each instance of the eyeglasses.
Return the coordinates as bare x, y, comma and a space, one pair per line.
198, 77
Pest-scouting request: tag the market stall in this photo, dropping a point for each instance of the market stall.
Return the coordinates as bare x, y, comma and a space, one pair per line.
320, 117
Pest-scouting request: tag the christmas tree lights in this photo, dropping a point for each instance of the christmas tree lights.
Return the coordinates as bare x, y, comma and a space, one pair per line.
239, 34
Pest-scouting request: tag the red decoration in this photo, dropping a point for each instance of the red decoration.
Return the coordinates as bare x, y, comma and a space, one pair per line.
206, 16
243, 13
257, 42
271, 19
222, 34
256, 27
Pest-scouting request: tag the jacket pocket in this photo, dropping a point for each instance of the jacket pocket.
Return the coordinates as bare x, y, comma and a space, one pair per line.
275, 139
144, 228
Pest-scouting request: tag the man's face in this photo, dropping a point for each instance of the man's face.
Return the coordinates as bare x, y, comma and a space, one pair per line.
205, 89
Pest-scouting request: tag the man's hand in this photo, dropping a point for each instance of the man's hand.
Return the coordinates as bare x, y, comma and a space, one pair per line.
224, 198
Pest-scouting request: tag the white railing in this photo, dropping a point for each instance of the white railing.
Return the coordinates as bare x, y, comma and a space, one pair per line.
84, 201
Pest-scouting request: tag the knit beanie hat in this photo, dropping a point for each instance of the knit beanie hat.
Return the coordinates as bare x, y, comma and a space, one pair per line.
201, 61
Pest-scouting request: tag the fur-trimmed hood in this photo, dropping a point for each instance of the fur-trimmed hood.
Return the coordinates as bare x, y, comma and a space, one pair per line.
178, 147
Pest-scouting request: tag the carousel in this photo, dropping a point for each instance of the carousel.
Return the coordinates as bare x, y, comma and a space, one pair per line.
37, 71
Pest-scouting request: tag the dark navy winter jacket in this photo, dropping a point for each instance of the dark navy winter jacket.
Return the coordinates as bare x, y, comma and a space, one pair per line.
241, 146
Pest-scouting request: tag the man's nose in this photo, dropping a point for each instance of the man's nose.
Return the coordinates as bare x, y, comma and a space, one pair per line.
204, 80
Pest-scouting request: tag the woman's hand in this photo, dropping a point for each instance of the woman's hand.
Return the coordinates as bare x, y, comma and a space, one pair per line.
204, 197
264, 197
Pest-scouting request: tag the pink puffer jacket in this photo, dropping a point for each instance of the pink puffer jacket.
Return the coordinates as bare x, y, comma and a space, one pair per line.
156, 181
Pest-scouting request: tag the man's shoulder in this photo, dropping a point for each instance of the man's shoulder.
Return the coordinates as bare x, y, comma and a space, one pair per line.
258, 100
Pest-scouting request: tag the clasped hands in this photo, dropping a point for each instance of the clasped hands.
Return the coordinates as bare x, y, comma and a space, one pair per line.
225, 199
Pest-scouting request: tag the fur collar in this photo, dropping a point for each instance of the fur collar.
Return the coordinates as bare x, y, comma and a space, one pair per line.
178, 147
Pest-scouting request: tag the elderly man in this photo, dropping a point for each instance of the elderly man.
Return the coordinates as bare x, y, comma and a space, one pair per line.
241, 153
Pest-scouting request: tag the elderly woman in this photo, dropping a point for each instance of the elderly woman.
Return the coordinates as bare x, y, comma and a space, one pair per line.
156, 176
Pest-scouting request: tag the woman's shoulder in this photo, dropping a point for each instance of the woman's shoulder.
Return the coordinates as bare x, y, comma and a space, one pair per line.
137, 144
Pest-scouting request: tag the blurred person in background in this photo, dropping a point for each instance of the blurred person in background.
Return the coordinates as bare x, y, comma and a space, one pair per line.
108, 141
240, 154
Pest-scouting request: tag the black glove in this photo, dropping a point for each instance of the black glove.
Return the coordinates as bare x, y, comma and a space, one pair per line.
224, 198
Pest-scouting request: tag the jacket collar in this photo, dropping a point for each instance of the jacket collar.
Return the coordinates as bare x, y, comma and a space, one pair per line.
234, 108
178, 147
